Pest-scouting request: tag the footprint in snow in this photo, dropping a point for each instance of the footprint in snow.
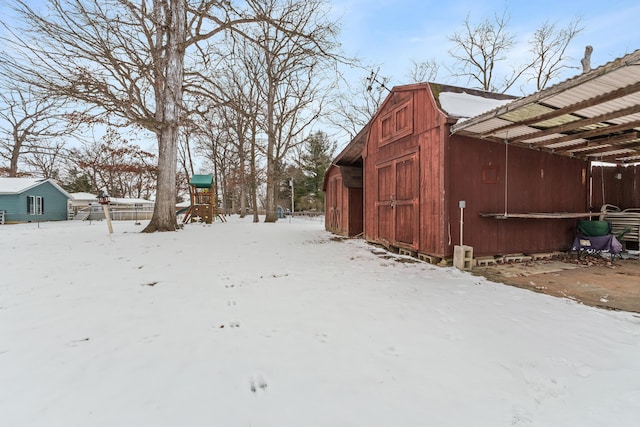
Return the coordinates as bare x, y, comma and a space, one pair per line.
258, 384
392, 351
231, 325
322, 337
77, 342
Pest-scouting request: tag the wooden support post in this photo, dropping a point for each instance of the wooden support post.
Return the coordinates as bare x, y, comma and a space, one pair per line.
107, 216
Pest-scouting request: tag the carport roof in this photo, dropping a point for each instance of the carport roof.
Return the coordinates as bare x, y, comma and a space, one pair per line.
593, 116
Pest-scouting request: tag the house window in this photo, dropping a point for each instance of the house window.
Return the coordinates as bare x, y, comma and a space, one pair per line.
35, 205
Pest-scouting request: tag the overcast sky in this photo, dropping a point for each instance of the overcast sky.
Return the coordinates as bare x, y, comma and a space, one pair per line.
390, 33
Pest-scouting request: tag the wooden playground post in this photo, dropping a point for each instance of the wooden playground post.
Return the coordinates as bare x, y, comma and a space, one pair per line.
202, 199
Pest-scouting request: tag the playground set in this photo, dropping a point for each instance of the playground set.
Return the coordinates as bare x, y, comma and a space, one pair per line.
203, 206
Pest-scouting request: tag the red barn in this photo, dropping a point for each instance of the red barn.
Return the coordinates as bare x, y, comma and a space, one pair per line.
443, 165
343, 189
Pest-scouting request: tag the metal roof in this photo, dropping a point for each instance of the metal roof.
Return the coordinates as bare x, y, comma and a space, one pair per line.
593, 116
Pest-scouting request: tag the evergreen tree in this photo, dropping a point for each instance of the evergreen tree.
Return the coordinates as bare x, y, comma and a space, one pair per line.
78, 182
315, 158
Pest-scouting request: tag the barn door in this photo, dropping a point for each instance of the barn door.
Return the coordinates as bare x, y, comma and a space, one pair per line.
384, 204
333, 205
397, 202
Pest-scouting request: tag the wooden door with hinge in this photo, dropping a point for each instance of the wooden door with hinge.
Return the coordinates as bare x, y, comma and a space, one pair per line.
334, 204
397, 201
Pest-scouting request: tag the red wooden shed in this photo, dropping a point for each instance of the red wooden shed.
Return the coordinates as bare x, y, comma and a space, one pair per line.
343, 188
444, 165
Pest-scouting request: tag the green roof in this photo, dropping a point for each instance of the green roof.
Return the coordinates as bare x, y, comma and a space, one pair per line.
201, 181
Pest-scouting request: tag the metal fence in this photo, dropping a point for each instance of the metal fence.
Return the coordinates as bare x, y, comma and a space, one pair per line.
117, 213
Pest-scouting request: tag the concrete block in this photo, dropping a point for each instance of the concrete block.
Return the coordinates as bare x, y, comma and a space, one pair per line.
517, 258
547, 255
431, 259
463, 257
408, 252
485, 261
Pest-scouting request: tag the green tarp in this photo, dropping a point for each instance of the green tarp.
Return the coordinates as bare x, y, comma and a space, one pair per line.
201, 181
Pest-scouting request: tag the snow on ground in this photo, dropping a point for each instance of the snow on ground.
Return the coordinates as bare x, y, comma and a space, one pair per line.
243, 324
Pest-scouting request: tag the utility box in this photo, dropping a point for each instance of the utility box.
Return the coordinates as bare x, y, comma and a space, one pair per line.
463, 257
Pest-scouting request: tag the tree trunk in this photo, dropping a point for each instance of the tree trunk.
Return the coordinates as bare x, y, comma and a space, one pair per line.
218, 186
254, 179
164, 213
271, 214
242, 175
13, 164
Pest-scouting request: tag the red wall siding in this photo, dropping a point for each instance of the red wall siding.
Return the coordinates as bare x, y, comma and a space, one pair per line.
454, 168
334, 202
623, 192
417, 219
343, 206
383, 146
354, 221
433, 185
536, 182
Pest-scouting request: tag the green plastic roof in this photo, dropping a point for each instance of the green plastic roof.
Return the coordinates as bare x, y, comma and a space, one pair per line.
201, 181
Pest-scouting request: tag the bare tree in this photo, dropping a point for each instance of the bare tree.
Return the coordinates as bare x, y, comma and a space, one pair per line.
548, 46
291, 84
117, 165
481, 53
49, 160
233, 85
357, 104
214, 142
237, 117
32, 128
185, 156
423, 71
127, 58
479, 49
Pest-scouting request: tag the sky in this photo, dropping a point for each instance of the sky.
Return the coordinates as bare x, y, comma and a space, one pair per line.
390, 33
242, 324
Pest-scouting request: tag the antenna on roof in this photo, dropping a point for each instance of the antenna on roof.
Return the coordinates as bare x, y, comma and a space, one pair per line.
373, 78
586, 61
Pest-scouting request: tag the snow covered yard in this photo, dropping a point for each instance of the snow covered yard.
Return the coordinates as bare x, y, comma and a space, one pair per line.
242, 324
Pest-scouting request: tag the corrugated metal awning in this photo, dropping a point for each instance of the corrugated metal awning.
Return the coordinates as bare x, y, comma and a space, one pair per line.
593, 116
